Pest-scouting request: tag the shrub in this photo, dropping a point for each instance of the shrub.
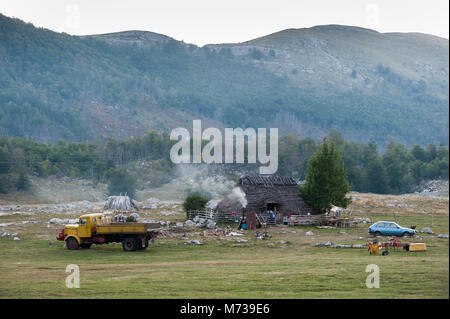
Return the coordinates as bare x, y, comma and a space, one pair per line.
195, 202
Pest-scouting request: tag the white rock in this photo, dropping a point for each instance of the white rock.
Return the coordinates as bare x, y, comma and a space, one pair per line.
179, 224
233, 233
168, 213
153, 200
189, 223
193, 242
309, 233
211, 224
16, 238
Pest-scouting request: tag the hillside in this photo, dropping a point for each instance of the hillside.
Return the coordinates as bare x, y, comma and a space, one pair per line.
366, 84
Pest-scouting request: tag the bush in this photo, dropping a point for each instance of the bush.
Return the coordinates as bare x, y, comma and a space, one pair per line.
121, 183
130, 219
195, 202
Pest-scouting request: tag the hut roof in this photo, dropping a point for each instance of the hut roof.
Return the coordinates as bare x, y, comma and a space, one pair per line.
120, 204
268, 181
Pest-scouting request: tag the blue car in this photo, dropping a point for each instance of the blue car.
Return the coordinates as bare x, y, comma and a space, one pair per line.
383, 228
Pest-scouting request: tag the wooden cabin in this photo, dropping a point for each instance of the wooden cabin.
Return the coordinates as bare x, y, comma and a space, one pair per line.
264, 193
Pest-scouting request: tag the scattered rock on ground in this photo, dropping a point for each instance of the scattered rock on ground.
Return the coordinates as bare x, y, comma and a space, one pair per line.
233, 233
63, 221
342, 246
189, 223
427, 230
325, 244
193, 242
211, 224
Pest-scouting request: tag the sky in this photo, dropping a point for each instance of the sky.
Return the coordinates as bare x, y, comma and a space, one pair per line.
210, 21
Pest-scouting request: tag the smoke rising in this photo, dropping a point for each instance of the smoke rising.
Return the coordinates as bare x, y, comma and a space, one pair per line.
239, 195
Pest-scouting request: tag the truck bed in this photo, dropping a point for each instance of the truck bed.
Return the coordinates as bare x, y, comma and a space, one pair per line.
121, 228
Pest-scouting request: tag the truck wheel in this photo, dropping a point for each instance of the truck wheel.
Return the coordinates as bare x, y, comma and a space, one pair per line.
72, 244
129, 244
85, 246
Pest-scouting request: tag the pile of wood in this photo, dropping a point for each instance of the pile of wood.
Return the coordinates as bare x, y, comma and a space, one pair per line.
295, 220
333, 221
119, 204
162, 233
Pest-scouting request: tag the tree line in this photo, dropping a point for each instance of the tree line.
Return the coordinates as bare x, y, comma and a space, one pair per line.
395, 170
21, 157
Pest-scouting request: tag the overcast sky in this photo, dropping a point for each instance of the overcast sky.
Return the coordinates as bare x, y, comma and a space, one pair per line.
210, 21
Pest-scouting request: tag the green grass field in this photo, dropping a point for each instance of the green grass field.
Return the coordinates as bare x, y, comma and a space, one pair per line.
220, 268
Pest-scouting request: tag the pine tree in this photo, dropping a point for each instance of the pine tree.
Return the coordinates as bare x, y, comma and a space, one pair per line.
5, 160
376, 180
326, 181
23, 182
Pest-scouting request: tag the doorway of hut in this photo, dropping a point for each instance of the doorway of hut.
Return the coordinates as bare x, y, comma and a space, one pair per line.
272, 206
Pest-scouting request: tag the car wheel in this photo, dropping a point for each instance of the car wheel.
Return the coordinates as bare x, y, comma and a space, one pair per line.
406, 234
377, 234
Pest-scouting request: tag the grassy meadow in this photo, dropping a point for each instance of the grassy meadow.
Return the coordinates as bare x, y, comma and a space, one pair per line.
287, 265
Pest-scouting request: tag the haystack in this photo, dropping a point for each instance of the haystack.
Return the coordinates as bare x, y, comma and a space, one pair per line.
119, 204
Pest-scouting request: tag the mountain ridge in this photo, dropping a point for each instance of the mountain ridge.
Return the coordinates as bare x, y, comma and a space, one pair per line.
122, 84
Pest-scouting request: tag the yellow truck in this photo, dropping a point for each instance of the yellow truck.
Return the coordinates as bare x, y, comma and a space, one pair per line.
99, 229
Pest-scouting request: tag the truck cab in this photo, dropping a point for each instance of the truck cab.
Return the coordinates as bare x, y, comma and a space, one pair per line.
83, 231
